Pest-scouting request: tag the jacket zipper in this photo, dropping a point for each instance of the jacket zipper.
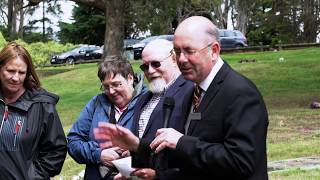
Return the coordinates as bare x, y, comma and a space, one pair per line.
5, 117
16, 131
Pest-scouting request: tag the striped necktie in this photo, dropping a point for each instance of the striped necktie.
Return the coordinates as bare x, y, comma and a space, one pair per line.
196, 98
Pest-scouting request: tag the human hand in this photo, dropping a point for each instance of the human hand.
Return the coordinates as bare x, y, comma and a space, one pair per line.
165, 137
145, 173
125, 154
108, 155
114, 135
120, 177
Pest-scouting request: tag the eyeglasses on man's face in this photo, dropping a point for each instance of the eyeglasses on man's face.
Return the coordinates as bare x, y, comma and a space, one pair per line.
154, 63
115, 86
191, 52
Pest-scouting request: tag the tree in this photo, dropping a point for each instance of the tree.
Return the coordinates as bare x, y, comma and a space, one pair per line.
114, 34
88, 26
274, 22
12, 16
159, 17
263, 21
48, 7
13, 12
240, 11
311, 19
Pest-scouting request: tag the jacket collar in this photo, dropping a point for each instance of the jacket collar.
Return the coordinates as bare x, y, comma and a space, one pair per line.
32, 96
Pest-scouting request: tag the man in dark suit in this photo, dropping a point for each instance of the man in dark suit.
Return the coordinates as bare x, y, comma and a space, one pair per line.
225, 133
165, 80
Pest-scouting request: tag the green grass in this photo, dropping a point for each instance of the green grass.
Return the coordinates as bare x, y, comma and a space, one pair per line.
288, 88
296, 174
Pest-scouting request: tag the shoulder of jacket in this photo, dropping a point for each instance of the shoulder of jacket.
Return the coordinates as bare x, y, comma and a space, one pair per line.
41, 95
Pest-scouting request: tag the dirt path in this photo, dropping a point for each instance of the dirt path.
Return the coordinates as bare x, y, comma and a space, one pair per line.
303, 163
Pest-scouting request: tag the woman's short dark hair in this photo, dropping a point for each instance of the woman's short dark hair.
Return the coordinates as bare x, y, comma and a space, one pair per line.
13, 50
113, 65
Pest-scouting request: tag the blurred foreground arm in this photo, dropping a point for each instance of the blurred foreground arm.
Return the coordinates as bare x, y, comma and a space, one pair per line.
114, 135
165, 137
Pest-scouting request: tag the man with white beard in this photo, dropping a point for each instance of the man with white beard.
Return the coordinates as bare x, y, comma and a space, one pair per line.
165, 80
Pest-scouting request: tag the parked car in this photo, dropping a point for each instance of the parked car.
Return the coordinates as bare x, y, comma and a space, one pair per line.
138, 47
95, 54
232, 39
128, 43
83, 52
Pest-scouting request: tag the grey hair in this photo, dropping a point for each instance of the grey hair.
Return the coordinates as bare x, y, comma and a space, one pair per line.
213, 33
113, 65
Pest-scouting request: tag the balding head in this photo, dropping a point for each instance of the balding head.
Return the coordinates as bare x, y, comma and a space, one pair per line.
196, 43
156, 51
200, 27
158, 46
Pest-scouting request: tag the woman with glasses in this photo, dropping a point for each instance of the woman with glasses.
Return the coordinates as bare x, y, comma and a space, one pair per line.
32, 141
121, 89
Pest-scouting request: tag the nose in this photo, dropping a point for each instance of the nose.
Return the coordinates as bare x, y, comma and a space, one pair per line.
111, 90
15, 76
151, 69
182, 58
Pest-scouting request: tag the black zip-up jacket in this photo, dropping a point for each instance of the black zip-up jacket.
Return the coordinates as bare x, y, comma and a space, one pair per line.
32, 141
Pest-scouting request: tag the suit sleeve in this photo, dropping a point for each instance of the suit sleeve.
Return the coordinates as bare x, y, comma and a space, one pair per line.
240, 150
142, 157
52, 150
80, 147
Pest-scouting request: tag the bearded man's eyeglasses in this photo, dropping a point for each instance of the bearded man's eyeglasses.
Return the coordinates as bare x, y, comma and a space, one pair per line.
154, 64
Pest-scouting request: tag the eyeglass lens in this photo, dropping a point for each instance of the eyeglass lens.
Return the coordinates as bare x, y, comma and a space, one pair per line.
112, 86
154, 64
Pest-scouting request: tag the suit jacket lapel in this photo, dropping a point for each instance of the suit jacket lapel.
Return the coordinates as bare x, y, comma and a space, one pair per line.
211, 92
171, 91
138, 108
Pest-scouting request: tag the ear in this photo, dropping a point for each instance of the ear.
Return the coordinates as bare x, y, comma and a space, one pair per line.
215, 50
174, 57
130, 79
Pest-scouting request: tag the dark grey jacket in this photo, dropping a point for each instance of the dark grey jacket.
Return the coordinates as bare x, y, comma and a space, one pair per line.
32, 141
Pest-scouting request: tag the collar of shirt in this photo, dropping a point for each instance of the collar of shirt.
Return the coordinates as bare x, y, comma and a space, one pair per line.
175, 77
206, 83
118, 112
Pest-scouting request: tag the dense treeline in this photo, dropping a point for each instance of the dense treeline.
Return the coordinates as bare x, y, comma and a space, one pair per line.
15, 22
108, 22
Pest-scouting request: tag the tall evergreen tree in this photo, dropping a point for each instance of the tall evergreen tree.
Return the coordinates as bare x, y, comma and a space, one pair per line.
88, 26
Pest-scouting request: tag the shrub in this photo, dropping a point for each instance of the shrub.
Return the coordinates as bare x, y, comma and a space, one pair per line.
42, 52
39, 51
3, 41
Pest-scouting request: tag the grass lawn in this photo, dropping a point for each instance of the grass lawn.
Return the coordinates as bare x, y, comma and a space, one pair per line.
288, 87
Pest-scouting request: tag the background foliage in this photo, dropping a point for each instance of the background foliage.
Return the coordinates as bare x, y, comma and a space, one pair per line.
2, 40
88, 27
41, 52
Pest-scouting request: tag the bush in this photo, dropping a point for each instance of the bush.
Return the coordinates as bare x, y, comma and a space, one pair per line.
42, 52
3, 41
39, 51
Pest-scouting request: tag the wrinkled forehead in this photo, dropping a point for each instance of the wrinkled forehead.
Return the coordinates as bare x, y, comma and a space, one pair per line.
185, 40
16, 62
155, 56
113, 78
156, 52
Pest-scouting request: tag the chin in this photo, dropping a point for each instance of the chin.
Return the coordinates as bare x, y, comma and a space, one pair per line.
13, 89
188, 76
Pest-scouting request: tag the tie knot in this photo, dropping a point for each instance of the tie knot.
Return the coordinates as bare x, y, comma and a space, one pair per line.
196, 97
198, 91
